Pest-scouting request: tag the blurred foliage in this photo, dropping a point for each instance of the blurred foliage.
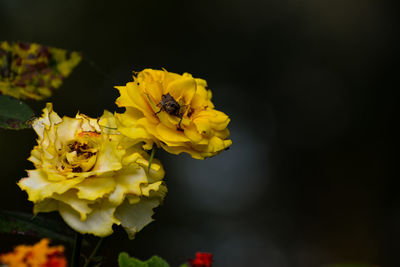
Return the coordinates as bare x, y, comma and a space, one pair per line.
25, 224
350, 265
125, 261
33, 71
14, 114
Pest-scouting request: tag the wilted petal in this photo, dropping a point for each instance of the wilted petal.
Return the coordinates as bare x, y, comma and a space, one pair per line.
134, 217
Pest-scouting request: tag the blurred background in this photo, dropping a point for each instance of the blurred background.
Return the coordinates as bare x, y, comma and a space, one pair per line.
308, 85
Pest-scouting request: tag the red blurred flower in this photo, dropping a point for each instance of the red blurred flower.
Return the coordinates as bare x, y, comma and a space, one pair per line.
202, 260
56, 259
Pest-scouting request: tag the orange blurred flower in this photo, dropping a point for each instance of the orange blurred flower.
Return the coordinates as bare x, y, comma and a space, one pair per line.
38, 255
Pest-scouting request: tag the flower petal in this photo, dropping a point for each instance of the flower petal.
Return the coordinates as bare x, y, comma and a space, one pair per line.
171, 136
128, 181
95, 188
99, 222
182, 88
134, 217
109, 156
39, 187
79, 205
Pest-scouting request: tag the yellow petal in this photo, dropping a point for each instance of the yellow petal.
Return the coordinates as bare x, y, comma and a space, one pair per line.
183, 149
99, 222
217, 144
35, 157
192, 133
39, 187
123, 100
78, 205
150, 187
182, 88
66, 131
168, 120
169, 135
153, 91
128, 181
49, 117
95, 188
108, 123
109, 157
199, 100
203, 125
139, 99
47, 205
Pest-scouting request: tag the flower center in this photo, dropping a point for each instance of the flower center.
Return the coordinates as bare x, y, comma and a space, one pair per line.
79, 156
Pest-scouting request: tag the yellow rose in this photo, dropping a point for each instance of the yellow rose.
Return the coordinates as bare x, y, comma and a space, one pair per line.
92, 175
29, 70
173, 111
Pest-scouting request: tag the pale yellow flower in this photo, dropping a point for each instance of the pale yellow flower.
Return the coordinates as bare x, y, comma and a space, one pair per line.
92, 175
173, 111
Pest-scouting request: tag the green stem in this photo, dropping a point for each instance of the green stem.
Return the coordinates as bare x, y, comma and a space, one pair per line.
76, 253
94, 252
153, 152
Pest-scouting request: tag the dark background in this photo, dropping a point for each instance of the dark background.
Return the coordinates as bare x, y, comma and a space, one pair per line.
309, 88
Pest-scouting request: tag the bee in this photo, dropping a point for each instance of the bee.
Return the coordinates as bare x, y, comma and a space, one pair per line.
172, 107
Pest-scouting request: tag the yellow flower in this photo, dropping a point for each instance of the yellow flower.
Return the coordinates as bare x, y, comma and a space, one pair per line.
38, 255
92, 175
173, 111
29, 70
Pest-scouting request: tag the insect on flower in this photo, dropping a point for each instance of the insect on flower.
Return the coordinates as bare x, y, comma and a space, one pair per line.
172, 107
174, 112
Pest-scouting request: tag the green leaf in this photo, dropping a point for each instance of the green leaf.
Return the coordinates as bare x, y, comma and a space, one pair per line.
156, 261
125, 261
350, 265
14, 113
26, 224
184, 265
